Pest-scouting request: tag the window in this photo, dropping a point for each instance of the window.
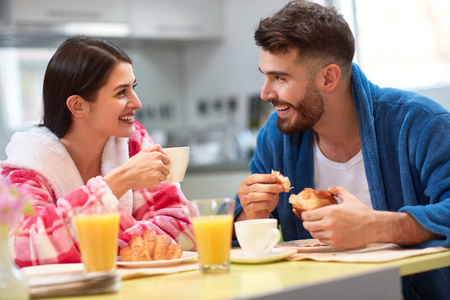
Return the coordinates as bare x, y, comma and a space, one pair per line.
402, 43
21, 79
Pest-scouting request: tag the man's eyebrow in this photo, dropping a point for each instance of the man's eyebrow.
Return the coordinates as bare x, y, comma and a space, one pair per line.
274, 73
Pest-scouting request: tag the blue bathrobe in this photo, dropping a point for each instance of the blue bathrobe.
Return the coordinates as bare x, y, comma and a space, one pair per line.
406, 150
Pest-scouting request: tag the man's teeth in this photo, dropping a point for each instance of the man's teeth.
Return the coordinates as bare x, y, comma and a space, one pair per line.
126, 118
282, 107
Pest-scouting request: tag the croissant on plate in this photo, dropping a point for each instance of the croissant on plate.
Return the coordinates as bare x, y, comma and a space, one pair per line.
150, 246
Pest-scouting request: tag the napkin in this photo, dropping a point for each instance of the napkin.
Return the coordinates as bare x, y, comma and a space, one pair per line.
73, 284
56, 270
374, 252
59, 280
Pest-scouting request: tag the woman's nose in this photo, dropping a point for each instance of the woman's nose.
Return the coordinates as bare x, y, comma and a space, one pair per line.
134, 102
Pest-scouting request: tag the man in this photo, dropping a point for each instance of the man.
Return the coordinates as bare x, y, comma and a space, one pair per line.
388, 150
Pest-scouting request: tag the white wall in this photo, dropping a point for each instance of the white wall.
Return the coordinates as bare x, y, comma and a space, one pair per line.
230, 67
158, 74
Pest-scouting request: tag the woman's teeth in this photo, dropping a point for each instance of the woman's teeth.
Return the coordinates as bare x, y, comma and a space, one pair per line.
126, 118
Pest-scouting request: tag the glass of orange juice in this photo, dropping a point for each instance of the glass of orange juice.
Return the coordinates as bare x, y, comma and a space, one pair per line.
213, 226
98, 231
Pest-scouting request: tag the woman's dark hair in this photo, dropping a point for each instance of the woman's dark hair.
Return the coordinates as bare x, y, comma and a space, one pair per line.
319, 33
80, 66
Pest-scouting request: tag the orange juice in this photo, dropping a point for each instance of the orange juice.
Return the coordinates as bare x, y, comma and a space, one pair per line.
97, 235
213, 238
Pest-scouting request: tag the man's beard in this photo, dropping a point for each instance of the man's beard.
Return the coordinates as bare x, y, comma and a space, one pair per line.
308, 110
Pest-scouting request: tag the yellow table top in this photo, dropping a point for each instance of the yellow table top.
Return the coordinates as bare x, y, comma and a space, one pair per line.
422, 263
246, 280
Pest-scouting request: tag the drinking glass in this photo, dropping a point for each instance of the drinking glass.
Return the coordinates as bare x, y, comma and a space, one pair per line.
98, 230
213, 226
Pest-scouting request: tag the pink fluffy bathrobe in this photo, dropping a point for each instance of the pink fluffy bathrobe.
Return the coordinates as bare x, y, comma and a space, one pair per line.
39, 162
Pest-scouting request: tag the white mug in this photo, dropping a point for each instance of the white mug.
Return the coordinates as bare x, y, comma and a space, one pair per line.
257, 237
179, 160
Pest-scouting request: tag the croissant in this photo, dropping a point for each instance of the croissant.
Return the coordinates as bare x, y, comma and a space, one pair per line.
284, 181
310, 199
150, 246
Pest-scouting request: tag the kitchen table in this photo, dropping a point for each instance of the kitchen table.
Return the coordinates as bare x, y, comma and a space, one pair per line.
282, 280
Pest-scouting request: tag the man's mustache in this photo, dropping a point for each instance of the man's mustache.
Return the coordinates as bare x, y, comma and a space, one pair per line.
278, 102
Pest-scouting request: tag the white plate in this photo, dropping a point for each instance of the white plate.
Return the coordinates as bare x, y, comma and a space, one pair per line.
238, 256
308, 246
187, 255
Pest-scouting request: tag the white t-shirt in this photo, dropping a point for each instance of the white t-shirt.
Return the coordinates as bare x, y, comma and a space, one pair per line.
350, 175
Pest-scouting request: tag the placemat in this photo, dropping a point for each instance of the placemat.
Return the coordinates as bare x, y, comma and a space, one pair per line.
375, 252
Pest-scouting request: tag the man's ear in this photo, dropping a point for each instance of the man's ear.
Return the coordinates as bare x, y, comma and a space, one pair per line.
330, 76
77, 106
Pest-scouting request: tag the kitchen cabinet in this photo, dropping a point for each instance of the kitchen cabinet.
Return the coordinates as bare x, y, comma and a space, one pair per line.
34, 12
176, 19
32, 23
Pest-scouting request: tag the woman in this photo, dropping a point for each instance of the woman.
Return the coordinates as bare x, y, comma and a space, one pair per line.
90, 149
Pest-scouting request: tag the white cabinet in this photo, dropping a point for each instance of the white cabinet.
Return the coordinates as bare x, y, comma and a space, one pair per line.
176, 19
32, 22
136, 19
50, 11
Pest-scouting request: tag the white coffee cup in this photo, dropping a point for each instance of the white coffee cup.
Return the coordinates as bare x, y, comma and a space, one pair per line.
257, 237
179, 160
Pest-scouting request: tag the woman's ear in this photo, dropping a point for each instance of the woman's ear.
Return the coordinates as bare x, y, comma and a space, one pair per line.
330, 76
77, 106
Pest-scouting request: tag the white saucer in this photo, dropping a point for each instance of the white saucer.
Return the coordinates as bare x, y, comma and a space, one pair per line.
238, 256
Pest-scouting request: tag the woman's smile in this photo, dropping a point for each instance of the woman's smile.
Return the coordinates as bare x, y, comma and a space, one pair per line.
127, 118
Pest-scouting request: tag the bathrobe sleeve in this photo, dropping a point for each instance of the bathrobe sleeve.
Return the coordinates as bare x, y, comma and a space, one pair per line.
48, 236
163, 208
293, 157
432, 162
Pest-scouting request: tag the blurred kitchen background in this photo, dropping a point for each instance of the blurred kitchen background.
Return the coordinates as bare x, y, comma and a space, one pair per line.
196, 66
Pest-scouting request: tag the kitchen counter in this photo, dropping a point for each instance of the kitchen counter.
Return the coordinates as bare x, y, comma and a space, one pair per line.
215, 180
219, 167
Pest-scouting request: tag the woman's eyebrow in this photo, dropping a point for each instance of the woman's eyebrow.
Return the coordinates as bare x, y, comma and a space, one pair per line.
125, 85
121, 86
